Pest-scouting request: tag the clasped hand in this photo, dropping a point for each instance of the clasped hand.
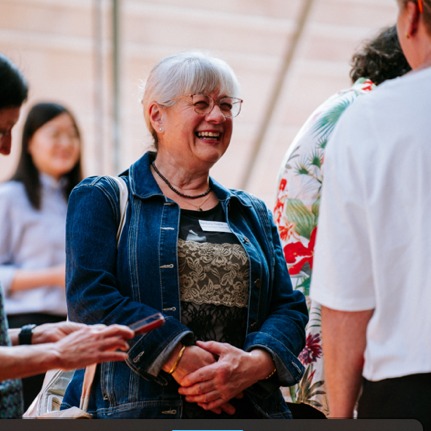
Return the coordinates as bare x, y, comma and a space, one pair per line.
212, 385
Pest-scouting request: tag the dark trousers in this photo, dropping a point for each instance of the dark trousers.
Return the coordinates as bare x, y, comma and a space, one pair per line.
305, 411
407, 397
32, 385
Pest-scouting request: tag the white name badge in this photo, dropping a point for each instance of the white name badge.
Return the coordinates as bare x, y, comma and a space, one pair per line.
214, 226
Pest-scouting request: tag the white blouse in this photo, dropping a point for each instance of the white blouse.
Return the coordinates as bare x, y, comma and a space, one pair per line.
32, 239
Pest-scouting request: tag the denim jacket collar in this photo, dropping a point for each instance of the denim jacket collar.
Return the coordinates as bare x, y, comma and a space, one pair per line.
144, 186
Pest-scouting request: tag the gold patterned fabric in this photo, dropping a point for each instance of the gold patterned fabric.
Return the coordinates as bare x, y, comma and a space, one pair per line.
215, 274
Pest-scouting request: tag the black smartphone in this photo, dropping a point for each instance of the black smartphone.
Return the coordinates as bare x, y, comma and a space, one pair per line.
147, 324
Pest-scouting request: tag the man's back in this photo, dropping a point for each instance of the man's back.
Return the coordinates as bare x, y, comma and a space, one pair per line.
372, 248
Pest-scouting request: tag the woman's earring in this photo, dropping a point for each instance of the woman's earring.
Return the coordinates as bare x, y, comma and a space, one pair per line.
161, 129
407, 36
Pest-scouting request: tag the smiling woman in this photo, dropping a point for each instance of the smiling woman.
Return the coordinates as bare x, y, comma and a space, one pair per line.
207, 257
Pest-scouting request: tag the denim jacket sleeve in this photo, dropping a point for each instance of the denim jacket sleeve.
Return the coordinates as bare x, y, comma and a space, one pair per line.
282, 333
92, 289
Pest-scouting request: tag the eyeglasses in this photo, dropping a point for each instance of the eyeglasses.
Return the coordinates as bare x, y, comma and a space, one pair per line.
203, 104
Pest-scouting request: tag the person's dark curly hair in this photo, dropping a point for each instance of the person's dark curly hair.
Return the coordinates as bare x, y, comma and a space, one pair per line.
380, 58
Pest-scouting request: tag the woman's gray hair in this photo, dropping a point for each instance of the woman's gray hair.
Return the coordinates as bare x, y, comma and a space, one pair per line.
186, 73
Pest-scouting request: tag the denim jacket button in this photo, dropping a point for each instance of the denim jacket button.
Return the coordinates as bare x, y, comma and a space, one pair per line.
258, 283
245, 240
136, 359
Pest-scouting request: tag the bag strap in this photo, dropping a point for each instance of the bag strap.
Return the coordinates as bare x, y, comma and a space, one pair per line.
90, 372
124, 201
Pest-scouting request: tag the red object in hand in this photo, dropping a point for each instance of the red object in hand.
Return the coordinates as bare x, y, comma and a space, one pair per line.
147, 324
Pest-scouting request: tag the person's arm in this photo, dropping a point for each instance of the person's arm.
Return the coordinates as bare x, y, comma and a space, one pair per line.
282, 334
47, 333
26, 279
344, 342
86, 346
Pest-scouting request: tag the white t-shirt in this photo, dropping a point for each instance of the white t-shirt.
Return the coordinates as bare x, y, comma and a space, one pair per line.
373, 248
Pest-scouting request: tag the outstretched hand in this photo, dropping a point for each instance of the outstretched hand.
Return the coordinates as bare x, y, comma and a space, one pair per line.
53, 332
215, 384
92, 344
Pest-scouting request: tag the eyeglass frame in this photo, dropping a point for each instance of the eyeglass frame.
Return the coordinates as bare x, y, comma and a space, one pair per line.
214, 103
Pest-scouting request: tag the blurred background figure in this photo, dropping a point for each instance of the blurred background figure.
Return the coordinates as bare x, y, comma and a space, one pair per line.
298, 201
33, 208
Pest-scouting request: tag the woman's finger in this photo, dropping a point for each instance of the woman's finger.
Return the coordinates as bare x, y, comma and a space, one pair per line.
197, 389
201, 375
117, 330
212, 346
216, 404
228, 408
204, 398
217, 411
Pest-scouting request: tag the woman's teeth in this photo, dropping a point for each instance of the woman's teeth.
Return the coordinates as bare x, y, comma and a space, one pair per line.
211, 135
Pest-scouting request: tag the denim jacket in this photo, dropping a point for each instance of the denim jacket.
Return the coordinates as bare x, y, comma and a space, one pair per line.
106, 285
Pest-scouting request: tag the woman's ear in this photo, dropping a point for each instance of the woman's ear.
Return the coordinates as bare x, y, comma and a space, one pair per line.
413, 17
156, 117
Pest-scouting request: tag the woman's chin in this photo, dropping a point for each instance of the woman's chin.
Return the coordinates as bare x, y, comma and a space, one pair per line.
210, 152
210, 157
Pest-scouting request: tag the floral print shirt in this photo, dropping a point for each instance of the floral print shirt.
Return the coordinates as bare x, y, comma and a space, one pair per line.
296, 213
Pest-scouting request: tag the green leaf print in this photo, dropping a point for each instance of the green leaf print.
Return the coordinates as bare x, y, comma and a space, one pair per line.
316, 159
297, 212
304, 287
322, 143
326, 123
315, 317
308, 389
315, 208
302, 168
292, 390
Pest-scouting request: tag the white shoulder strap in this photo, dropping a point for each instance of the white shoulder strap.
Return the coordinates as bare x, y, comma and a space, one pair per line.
124, 201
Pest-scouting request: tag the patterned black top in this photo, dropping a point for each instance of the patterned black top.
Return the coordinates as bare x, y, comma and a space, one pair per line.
214, 283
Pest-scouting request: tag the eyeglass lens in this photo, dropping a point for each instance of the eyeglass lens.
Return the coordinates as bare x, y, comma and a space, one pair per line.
229, 106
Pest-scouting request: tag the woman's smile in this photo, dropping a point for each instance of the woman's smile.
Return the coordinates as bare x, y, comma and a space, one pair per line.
209, 136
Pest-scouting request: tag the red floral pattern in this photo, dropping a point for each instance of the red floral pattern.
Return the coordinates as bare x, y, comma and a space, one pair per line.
312, 350
294, 250
295, 214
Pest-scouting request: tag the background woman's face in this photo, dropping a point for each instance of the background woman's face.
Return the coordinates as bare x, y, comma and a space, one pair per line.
187, 133
55, 147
